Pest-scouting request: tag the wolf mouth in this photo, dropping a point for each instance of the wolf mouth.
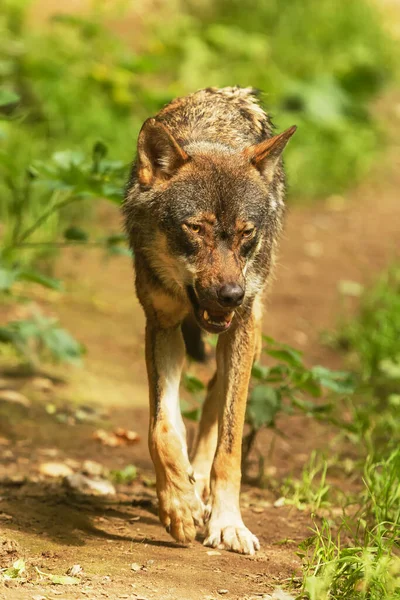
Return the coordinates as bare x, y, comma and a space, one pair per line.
210, 320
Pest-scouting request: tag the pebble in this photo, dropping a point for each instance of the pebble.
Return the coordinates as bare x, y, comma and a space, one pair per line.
55, 469
86, 485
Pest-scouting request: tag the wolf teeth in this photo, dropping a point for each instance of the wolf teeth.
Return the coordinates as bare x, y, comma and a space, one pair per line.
206, 315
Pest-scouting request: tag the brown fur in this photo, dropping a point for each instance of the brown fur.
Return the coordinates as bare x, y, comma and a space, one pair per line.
203, 211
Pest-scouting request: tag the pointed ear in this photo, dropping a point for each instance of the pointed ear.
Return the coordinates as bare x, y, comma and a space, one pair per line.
159, 155
265, 155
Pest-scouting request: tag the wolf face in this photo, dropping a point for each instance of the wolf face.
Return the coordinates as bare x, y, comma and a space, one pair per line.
218, 214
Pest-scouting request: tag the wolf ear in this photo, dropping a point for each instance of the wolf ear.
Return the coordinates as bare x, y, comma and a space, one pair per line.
265, 155
159, 155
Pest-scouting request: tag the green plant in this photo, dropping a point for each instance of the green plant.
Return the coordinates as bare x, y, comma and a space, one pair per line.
373, 335
125, 475
41, 337
359, 561
286, 387
311, 491
282, 388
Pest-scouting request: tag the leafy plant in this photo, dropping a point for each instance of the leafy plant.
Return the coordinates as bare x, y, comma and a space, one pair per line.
125, 475
41, 337
286, 387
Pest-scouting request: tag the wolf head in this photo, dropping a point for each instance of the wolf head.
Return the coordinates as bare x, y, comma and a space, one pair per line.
213, 215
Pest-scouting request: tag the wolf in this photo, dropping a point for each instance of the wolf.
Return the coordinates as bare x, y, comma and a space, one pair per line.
203, 211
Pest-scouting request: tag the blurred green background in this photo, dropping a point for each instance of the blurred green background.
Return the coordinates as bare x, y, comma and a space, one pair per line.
69, 81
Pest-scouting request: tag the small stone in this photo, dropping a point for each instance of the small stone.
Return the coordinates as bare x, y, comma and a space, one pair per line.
136, 567
223, 591
213, 553
5, 517
280, 502
74, 570
55, 469
86, 485
39, 597
93, 468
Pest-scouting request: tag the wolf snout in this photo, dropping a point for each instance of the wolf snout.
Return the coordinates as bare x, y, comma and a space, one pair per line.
230, 295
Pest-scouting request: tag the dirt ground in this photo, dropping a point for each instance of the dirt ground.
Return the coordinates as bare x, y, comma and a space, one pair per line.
340, 239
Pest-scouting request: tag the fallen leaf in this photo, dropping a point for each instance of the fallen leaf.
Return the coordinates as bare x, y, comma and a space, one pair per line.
14, 397
106, 438
15, 571
59, 579
55, 469
129, 436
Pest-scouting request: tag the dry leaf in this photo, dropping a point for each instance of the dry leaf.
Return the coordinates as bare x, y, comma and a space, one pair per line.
14, 397
128, 435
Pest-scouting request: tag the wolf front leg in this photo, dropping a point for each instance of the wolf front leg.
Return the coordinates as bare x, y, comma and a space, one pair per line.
180, 508
235, 353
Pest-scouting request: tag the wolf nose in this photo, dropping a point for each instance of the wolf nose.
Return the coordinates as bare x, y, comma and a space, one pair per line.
230, 294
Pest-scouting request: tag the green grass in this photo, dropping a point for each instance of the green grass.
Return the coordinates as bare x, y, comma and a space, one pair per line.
373, 337
357, 556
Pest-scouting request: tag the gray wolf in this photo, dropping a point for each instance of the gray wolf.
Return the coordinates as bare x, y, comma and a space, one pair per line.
203, 211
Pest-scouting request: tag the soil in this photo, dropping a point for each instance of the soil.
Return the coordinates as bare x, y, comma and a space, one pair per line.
349, 238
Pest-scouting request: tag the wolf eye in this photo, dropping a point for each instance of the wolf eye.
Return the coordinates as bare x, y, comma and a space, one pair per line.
193, 227
249, 232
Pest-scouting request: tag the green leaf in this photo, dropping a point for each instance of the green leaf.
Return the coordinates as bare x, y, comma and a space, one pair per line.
263, 405
192, 384
8, 97
59, 579
76, 234
192, 415
44, 280
259, 371
15, 571
99, 151
125, 475
64, 579
7, 278
341, 382
287, 355
116, 238
119, 251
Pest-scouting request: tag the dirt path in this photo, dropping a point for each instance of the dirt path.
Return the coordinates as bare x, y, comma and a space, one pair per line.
350, 238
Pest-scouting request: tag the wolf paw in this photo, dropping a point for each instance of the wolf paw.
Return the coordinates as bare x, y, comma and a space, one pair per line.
236, 538
181, 511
